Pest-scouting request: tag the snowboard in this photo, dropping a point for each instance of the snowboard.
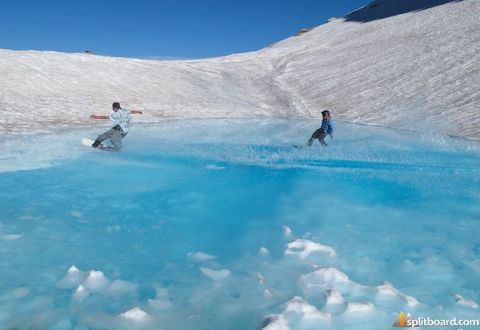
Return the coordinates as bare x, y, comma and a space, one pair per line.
87, 142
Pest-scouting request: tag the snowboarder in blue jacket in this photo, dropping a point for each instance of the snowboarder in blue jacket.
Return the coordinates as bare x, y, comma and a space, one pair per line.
324, 130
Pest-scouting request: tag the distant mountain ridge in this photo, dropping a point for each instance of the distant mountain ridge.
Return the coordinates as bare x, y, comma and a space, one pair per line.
380, 9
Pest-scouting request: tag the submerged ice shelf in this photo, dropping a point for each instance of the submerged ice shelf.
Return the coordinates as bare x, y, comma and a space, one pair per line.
234, 224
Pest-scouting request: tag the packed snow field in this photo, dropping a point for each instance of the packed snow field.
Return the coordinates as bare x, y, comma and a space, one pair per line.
234, 224
422, 65
204, 223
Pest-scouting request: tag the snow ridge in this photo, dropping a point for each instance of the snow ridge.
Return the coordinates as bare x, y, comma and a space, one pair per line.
417, 70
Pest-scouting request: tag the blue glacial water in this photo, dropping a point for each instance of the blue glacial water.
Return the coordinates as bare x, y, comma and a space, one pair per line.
218, 224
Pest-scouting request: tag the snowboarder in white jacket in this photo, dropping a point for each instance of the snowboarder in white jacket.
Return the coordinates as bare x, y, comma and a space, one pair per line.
121, 119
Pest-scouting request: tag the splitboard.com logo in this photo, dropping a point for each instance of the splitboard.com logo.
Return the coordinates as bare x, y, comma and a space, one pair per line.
407, 321
401, 321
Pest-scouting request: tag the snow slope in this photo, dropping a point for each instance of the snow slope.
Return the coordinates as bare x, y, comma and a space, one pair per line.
418, 70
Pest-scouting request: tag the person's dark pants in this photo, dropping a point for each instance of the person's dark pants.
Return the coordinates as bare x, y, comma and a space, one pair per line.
318, 134
115, 134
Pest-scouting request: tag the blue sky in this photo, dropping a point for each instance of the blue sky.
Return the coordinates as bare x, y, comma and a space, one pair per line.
162, 28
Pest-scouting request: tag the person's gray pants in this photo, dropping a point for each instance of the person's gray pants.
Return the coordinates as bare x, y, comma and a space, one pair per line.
115, 135
318, 134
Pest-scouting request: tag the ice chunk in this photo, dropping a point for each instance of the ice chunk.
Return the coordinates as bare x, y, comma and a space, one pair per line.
263, 251
161, 300
159, 304
267, 294
303, 248
333, 297
411, 301
304, 310
387, 290
200, 256
215, 167
72, 279
112, 229
120, 288
20, 292
135, 315
325, 277
216, 275
275, 322
287, 232
162, 292
80, 294
464, 302
360, 307
76, 214
260, 278
73, 270
36, 303
334, 301
303, 315
96, 282
30, 218
11, 237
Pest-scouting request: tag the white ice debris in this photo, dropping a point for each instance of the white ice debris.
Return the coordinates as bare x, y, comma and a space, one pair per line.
159, 304
96, 282
162, 300
80, 293
72, 279
215, 275
20, 292
162, 292
135, 315
275, 322
200, 256
300, 312
360, 307
303, 248
325, 277
11, 237
304, 310
460, 300
76, 214
120, 288
388, 290
73, 270
287, 232
267, 294
333, 282
260, 278
215, 167
411, 301
263, 251
333, 297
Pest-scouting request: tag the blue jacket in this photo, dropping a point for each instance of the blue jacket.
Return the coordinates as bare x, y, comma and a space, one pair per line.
327, 126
